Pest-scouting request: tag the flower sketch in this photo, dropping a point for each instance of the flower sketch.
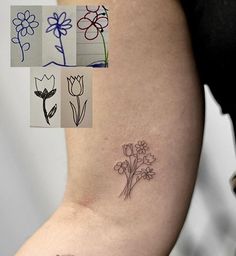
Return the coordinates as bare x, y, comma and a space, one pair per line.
76, 89
45, 89
25, 24
59, 25
136, 167
93, 24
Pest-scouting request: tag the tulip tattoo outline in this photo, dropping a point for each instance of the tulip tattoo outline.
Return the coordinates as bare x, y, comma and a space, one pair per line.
76, 89
136, 167
45, 94
25, 24
93, 24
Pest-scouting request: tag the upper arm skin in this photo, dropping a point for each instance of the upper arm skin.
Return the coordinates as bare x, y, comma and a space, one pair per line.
149, 92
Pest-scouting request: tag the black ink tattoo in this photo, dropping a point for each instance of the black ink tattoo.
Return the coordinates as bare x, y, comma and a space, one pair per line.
137, 167
45, 90
76, 89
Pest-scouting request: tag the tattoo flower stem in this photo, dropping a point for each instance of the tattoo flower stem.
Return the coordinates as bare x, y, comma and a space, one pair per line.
137, 157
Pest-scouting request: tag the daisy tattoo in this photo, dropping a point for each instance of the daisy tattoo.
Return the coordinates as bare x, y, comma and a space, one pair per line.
136, 167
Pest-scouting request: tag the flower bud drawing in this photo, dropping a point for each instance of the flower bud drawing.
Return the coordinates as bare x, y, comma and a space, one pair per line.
128, 149
45, 89
76, 85
76, 89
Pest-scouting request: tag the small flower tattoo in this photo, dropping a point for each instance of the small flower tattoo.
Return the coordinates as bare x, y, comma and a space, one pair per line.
25, 24
136, 167
141, 147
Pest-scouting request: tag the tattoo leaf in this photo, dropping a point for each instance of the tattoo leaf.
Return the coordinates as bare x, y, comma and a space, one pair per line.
52, 111
83, 112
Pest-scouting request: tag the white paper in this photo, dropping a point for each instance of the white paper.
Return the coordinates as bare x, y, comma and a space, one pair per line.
92, 36
26, 36
49, 79
59, 45
69, 106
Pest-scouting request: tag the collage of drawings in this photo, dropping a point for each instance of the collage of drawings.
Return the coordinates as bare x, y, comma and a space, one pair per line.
61, 44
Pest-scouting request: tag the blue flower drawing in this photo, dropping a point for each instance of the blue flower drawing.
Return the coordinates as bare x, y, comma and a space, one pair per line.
59, 25
25, 24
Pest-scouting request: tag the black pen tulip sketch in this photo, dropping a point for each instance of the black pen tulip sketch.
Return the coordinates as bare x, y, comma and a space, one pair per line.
76, 89
45, 89
136, 167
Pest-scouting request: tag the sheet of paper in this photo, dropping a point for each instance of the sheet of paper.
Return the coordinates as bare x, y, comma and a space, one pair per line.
92, 36
45, 97
59, 35
61, 97
76, 97
26, 36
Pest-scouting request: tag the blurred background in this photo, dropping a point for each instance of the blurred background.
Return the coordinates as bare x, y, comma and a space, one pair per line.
33, 168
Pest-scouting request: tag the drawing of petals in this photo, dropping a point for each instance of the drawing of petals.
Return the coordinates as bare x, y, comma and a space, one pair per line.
84, 23
55, 15
91, 16
92, 8
34, 24
16, 22
52, 21
30, 31
66, 26
20, 16
57, 33
45, 82
91, 33
66, 22
102, 21
31, 18
62, 18
63, 31
51, 28
27, 14
24, 32
19, 28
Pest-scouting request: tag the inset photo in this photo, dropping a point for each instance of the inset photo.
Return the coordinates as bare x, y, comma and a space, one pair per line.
92, 36
61, 97
26, 36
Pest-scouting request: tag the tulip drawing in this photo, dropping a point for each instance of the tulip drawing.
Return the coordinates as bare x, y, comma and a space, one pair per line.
76, 89
136, 167
45, 89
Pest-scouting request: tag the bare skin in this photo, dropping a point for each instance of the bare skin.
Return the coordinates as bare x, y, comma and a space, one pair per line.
150, 92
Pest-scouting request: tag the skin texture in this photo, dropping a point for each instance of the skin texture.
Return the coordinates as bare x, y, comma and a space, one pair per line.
149, 92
